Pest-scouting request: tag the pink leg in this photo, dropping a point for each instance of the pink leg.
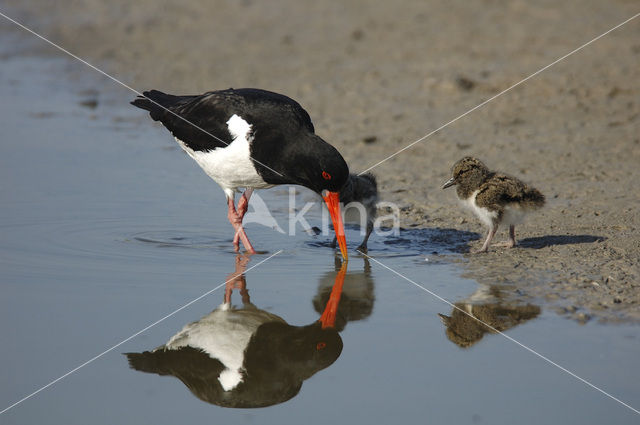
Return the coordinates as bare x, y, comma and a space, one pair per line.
236, 222
243, 205
512, 238
490, 235
236, 280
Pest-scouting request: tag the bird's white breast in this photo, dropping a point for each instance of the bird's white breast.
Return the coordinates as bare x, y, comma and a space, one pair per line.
224, 335
513, 213
484, 214
230, 166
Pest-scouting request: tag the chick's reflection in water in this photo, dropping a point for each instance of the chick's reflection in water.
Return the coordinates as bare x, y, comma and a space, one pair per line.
468, 321
357, 296
244, 356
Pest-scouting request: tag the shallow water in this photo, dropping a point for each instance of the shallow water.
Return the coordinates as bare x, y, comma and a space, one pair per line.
107, 228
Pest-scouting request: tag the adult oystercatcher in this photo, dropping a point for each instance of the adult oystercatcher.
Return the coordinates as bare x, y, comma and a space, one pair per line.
494, 197
243, 356
252, 139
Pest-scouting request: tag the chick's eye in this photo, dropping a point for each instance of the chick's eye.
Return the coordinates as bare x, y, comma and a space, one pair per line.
326, 175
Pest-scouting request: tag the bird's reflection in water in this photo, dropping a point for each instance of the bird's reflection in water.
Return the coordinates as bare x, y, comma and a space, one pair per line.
466, 324
357, 297
242, 356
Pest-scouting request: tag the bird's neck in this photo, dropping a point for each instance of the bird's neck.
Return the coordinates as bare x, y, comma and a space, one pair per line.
471, 183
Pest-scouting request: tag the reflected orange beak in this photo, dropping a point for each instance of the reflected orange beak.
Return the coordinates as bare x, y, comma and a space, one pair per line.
333, 204
328, 318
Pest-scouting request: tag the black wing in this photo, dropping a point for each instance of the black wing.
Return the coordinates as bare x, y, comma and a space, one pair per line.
201, 121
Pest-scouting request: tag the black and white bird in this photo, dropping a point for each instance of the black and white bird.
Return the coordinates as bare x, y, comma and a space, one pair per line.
244, 356
252, 139
495, 198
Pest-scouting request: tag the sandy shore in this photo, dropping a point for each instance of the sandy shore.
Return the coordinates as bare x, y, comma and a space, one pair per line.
376, 77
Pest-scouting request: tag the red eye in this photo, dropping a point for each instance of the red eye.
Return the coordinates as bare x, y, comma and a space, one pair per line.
326, 175
320, 345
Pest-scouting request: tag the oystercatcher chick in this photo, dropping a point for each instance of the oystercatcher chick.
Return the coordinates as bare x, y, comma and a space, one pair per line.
360, 199
252, 139
494, 197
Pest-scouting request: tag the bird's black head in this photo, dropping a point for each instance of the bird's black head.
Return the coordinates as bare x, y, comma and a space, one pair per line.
324, 167
468, 174
326, 172
301, 157
308, 161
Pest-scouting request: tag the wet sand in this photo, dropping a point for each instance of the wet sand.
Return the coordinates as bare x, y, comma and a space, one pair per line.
377, 77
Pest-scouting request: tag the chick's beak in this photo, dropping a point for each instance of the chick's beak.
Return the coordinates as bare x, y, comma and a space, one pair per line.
333, 205
449, 183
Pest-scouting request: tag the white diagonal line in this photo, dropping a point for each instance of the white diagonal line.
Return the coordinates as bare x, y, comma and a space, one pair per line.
134, 335
546, 359
501, 93
62, 49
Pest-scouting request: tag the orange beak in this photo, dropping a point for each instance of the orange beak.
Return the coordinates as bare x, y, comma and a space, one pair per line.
328, 318
333, 204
